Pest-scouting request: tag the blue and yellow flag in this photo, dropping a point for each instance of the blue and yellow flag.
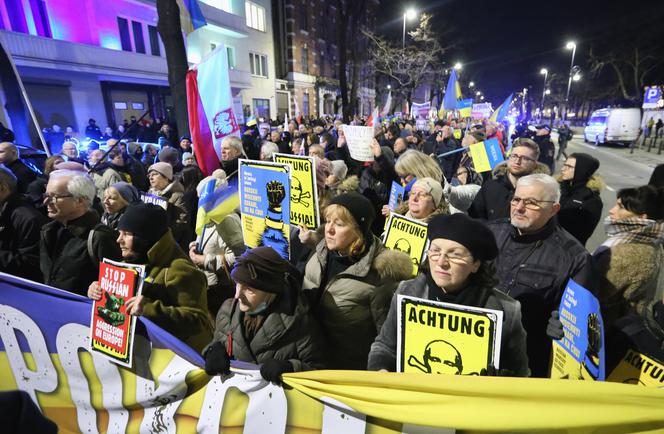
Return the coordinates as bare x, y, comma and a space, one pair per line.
486, 155
452, 94
216, 203
502, 110
191, 17
465, 107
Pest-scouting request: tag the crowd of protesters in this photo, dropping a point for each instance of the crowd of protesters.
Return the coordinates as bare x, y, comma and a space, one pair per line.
508, 240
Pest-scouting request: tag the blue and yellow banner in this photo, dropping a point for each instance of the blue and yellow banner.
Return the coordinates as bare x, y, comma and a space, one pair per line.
465, 107
216, 203
499, 114
191, 16
486, 155
44, 336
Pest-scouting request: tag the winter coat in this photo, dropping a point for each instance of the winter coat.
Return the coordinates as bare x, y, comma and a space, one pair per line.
493, 200
513, 357
177, 212
534, 270
289, 332
65, 262
24, 175
450, 163
547, 151
461, 197
20, 225
104, 178
353, 304
175, 293
581, 207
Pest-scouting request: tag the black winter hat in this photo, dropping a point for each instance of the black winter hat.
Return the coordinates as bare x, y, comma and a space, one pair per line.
262, 268
586, 166
359, 207
657, 177
145, 220
472, 234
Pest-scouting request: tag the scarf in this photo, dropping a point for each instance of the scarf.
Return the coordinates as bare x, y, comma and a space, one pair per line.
633, 230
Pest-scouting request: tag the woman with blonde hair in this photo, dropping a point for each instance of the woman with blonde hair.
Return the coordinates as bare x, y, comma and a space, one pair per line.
117, 198
350, 280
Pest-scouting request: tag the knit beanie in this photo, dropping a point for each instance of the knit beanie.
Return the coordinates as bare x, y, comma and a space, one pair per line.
470, 233
431, 186
128, 192
360, 208
586, 166
145, 220
169, 155
262, 268
164, 169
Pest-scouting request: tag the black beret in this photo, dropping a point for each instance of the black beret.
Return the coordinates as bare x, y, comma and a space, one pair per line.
360, 208
470, 233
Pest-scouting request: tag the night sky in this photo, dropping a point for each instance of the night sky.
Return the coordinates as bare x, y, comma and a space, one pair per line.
504, 44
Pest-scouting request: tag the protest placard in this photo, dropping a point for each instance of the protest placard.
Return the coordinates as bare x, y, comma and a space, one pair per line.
637, 368
465, 107
358, 140
481, 110
304, 194
407, 236
457, 134
397, 192
421, 110
154, 199
445, 338
421, 124
265, 205
111, 327
579, 355
486, 155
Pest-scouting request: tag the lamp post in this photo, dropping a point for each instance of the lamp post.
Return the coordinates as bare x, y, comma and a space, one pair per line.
570, 46
409, 14
545, 73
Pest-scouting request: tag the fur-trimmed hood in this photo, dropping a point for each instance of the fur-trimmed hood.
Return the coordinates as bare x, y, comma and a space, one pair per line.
501, 169
595, 183
352, 183
393, 265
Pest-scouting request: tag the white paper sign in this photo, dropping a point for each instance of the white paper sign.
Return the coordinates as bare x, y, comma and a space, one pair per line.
358, 140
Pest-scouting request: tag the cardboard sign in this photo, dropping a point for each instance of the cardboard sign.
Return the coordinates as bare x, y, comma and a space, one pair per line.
359, 140
304, 194
397, 192
636, 368
154, 199
579, 355
445, 338
265, 192
481, 111
407, 236
111, 327
421, 110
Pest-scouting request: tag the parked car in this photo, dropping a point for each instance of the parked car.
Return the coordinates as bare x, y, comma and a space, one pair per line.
613, 125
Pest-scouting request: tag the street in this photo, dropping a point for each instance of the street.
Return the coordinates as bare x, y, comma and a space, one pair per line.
618, 167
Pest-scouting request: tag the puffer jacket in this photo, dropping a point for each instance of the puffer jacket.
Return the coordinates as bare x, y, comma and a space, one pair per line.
513, 357
289, 332
353, 304
581, 207
177, 211
492, 202
175, 294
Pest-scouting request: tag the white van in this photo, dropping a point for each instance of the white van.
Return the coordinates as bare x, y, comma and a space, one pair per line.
611, 125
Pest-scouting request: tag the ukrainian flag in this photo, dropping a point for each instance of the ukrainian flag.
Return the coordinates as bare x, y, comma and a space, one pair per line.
191, 17
502, 110
452, 94
216, 203
465, 107
486, 155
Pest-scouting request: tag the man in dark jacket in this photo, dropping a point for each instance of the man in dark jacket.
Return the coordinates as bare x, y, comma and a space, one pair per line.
69, 253
493, 200
445, 142
9, 156
546, 146
580, 202
536, 259
92, 131
20, 224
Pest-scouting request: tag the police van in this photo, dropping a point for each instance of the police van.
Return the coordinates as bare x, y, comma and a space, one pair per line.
613, 125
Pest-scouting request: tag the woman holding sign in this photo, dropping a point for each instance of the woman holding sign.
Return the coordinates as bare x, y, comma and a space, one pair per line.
459, 272
350, 279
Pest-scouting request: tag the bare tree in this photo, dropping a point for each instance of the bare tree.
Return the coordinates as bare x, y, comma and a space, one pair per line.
170, 30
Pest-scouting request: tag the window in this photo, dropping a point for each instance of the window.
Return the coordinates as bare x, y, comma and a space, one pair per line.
139, 42
125, 38
304, 19
255, 16
305, 59
230, 52
154, 41
258, 64
305, 104
120, 105
40, 16
261, 107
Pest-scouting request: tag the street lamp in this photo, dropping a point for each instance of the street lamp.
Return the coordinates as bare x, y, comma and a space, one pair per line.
409, 14
576, 77
458, 66
478, 93
389, 86
471, 84
545, 73
571, 45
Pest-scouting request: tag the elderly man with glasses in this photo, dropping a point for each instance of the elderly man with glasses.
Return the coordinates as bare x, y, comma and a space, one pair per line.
493, 200
536, 259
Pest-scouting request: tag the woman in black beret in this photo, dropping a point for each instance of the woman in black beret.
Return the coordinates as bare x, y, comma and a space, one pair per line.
459, 271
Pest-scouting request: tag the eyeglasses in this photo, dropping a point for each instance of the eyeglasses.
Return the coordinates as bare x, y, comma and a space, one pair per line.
516, 157
453, 257
47, 198
568, 166
529, 203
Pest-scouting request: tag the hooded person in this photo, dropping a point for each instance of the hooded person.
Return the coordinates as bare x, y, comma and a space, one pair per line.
580, 201
350, 279
458, 271
174, 292
268, 322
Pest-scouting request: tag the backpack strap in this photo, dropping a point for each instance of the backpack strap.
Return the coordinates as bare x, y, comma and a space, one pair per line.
91, 236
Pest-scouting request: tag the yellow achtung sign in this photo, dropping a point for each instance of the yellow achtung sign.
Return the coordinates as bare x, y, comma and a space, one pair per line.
408, 236
636, 368
445, 338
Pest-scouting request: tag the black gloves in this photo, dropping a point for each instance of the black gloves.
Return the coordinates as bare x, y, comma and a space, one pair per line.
555, 328
272, 369
217, 360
